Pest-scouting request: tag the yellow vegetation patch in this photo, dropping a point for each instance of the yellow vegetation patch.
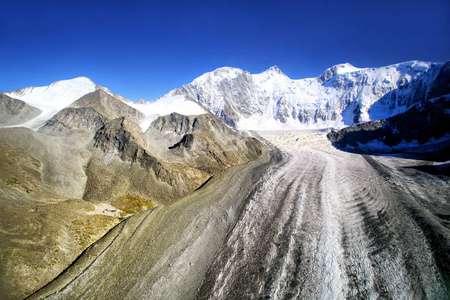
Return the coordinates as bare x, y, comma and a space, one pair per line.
132, 203
89, 230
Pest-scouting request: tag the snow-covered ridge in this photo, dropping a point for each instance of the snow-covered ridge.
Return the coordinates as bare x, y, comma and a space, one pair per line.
61, 94
57, 95
342, 95
51, 99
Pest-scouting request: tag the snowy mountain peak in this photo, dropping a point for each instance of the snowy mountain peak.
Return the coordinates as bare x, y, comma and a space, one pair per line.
274, 70
54, 97
58, 95
219, 74
337, 70
345, 68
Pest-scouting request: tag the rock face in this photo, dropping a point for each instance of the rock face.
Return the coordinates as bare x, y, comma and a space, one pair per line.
14, 111
203, 142
342, 95
424, 125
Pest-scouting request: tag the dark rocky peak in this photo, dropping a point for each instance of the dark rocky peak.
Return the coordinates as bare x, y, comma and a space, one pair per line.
177, 124
174, 123
124, 138
141, 101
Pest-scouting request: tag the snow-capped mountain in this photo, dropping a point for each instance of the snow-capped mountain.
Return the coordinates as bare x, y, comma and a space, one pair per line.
51, 99
65, 93
343, 95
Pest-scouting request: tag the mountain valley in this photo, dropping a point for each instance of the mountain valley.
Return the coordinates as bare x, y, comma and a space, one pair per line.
236, 185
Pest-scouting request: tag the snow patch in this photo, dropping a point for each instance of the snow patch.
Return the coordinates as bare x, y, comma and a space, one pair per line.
377, 145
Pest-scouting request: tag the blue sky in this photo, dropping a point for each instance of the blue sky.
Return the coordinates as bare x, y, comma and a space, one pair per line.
147, 48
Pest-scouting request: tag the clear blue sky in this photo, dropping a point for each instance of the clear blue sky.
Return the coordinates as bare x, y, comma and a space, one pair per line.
146, 48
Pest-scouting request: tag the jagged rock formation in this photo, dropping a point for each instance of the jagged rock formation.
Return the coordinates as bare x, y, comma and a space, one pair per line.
342, 95
140, 172
415, 130
14, 111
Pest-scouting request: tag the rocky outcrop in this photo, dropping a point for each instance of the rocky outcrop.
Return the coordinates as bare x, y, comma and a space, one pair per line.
138, 171
121, 135
203, 142
14, 111
426, 123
